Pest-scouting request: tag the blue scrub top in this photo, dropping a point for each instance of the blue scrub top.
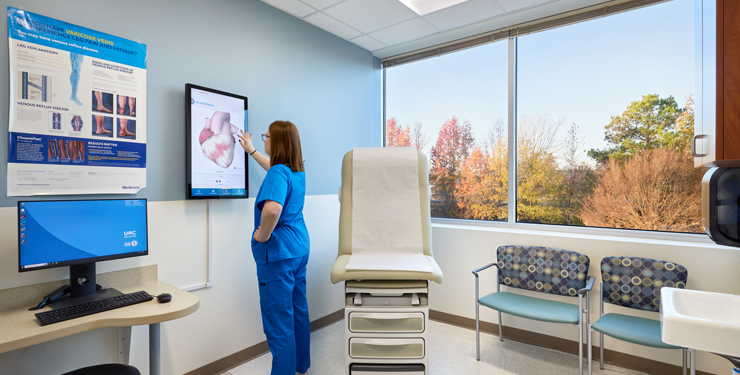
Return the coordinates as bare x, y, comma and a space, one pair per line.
290, 237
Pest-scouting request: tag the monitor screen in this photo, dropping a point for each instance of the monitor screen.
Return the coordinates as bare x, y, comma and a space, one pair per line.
65, 233
216, 163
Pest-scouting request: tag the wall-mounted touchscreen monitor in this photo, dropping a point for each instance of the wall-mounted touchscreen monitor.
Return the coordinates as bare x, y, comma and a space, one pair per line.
216, 163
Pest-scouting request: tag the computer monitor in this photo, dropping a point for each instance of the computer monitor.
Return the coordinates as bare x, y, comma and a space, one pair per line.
78, 233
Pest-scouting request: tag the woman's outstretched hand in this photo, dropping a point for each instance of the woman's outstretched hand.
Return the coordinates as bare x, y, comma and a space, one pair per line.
245, 140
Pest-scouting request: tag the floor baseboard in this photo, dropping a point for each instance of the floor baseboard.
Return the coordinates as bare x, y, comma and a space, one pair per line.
237, 359
612, 357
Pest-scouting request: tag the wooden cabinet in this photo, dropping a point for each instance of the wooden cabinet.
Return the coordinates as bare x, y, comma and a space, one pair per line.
717, 66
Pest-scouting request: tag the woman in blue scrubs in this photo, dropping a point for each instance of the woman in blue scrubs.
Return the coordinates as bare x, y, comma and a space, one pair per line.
280, 246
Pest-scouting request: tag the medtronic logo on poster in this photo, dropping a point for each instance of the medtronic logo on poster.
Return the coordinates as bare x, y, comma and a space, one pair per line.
192, 101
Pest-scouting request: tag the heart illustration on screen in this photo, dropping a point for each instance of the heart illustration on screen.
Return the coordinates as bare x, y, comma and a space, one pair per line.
217, 139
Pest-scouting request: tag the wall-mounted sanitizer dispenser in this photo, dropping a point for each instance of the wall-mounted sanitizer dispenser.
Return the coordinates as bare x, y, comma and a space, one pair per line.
720, 198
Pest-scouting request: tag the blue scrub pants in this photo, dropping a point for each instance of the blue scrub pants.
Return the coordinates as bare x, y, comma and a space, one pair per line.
282, 286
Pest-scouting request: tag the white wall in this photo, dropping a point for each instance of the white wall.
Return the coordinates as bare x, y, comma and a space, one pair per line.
228, 319
460, 249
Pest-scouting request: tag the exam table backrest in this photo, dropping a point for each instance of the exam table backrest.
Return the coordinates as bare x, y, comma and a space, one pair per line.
345, 213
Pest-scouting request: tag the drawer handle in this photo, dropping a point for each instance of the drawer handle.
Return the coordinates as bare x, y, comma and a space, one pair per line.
387, 316
693, 146
387, 342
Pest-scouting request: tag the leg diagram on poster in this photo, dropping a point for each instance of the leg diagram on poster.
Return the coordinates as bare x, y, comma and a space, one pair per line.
74, 77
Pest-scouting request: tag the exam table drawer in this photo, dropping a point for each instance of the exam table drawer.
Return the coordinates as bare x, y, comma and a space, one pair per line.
386, 322
386, 348
382, 369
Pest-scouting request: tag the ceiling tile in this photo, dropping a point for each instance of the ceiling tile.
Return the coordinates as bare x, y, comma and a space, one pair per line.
405, 31
320, 4
293, 7
514, 5
331, 25
464, 14
367, 43
368, 16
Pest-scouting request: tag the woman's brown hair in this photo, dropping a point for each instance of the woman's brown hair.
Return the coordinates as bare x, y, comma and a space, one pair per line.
286, 145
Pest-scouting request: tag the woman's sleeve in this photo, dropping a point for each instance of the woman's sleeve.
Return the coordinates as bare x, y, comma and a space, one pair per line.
274, 187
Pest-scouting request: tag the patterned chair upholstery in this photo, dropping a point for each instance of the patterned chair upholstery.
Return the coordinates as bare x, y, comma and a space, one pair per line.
538, 269
635, 283
542, 269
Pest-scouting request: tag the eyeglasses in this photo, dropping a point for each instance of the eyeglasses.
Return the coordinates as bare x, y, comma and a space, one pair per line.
264, 137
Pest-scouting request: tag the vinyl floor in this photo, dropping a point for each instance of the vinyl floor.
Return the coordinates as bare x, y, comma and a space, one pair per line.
451, 352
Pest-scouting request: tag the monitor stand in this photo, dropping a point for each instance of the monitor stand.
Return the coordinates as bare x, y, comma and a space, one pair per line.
82, 287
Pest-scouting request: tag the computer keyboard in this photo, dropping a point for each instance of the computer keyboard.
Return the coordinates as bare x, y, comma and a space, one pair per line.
94, 307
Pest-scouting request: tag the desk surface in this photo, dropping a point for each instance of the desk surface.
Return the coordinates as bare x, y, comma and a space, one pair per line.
19, 327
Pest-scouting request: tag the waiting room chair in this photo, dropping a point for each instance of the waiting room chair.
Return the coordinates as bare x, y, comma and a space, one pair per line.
539, 269
635, 283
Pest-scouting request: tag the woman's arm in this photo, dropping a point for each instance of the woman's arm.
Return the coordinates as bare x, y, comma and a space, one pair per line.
270, 214
245, 140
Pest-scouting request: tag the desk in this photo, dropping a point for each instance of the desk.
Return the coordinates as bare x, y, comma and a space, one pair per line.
19, 327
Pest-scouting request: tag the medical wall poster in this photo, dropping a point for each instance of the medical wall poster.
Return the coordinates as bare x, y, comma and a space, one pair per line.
77, 120
216, 163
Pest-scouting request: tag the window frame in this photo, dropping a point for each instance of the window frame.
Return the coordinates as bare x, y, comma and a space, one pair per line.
579, 231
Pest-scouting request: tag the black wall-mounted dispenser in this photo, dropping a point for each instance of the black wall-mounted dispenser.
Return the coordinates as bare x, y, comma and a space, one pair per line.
720, 200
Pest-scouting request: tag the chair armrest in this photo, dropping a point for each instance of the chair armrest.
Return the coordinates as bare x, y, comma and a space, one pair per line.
475, 272
589, 285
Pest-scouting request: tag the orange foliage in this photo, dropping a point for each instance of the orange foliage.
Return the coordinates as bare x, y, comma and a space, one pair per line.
397, 135
453, 145
653, 190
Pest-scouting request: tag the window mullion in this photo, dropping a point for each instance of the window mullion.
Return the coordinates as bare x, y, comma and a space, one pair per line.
511, 134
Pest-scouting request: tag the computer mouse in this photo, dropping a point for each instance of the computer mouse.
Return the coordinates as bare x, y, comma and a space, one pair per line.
164, 298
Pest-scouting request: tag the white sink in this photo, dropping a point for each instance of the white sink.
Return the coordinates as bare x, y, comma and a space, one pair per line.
701, 320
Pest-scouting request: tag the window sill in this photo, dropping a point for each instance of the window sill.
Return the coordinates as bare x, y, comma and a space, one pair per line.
690, 240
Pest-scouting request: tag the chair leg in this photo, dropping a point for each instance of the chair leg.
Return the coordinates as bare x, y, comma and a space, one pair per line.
580, 348
477, 332
693, 361
500, 328
589, 333
684, 360
601, 351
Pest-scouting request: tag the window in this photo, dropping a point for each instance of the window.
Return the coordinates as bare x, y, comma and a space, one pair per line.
454, 109
604, 120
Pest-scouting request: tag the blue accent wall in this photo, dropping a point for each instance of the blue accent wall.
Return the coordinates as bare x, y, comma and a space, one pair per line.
288, 68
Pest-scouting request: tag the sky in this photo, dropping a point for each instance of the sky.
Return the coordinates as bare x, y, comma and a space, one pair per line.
583, 74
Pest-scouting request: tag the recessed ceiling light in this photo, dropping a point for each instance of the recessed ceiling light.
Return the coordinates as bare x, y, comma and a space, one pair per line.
422, 7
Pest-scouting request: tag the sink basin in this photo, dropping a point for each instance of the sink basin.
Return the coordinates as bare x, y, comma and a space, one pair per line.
701, 320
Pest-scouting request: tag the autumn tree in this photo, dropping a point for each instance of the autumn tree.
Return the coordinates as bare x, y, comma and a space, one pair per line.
403, 136
578, 178
538, 176
454, 144
646, 124
654, 190
396, 135
684, 130
418, 138
483, 186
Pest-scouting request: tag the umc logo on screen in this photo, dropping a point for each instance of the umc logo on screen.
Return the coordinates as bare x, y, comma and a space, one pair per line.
130, 234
